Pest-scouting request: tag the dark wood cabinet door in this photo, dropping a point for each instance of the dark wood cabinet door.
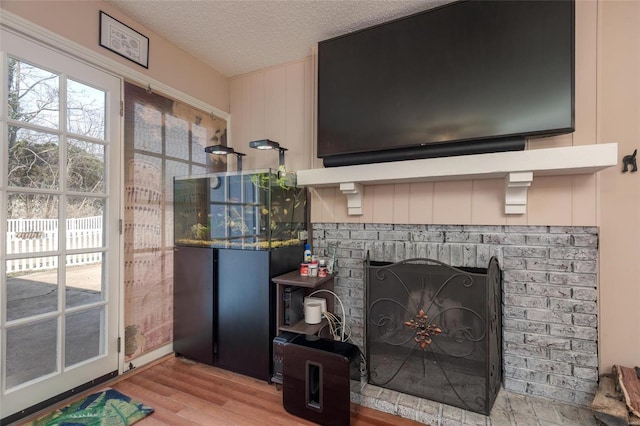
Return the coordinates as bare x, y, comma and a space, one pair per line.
193, 305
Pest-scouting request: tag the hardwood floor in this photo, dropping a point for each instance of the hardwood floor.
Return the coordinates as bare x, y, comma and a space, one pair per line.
186, 393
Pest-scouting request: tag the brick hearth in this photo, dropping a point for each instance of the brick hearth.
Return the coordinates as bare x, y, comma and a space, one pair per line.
549, 292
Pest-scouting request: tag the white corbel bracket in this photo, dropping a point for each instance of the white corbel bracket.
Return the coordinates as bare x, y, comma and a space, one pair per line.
515, 195
354, 192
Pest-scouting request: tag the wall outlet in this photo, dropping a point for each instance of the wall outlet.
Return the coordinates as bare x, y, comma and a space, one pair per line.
303, 235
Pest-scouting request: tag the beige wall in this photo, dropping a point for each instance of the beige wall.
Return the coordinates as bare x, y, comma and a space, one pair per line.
607, 110
275, 104
619, 121
78, 21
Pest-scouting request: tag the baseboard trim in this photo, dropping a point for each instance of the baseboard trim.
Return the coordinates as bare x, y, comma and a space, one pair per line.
147, 358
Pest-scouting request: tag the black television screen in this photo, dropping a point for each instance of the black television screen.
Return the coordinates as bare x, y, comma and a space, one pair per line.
470, 72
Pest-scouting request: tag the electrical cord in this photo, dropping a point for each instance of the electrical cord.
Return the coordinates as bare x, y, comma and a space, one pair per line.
336, 323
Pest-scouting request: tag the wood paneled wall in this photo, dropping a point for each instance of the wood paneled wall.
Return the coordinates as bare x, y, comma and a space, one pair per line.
619, 121
554, 200
278, 103
275, 104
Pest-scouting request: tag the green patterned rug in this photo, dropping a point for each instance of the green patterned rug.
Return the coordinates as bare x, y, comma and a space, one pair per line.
106, 408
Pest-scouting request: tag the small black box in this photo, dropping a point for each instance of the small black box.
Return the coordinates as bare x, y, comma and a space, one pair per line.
278, 354
293, 303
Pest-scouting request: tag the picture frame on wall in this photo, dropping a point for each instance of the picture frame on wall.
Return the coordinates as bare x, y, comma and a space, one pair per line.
124, 40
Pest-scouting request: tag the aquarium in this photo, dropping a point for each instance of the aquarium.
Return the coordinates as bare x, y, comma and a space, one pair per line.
253, 210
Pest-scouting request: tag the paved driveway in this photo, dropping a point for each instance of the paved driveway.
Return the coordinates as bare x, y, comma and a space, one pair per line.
32, 349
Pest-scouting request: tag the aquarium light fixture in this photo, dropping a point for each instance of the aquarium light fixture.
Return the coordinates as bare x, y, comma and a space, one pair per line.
269, 144
225, 150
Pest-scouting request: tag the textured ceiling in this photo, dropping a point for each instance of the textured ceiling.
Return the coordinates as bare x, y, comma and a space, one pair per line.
240, 36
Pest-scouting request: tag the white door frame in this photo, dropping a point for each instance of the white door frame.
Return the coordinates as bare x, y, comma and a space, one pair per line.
64, 378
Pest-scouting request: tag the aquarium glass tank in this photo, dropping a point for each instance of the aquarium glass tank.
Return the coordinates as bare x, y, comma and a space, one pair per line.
253, 210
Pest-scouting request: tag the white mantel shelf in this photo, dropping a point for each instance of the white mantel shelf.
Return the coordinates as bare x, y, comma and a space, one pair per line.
517, 168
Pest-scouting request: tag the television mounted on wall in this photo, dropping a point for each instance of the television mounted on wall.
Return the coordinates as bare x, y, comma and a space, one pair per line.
468, 77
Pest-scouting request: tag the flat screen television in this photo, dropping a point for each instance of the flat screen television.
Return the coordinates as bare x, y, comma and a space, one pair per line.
470, 76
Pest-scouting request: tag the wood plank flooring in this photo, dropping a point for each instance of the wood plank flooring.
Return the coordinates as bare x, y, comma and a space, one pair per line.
186, 393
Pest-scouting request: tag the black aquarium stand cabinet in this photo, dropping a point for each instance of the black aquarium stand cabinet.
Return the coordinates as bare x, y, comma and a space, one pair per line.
233, 233
246, 308
224, 306
194, 299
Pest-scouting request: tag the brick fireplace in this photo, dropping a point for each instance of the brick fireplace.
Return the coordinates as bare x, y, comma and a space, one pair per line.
549, 291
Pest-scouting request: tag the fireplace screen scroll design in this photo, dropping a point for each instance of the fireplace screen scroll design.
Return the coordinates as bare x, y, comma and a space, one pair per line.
434, 331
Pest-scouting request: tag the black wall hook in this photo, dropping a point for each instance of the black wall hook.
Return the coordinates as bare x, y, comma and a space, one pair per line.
630, 161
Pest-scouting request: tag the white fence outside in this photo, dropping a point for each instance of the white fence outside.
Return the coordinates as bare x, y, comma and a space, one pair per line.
31, 236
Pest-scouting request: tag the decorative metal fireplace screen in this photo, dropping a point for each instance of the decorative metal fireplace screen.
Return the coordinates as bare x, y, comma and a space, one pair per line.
434, 331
